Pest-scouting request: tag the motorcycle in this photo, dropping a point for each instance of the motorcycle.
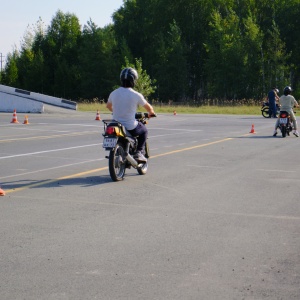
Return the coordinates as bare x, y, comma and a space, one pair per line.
285, 125
122, 146
265, 110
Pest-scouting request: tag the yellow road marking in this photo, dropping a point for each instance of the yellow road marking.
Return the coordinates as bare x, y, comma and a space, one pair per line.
48, 136
191, 148
53, 180
105, 168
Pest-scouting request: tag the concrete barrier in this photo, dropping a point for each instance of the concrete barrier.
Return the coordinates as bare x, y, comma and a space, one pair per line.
26, 101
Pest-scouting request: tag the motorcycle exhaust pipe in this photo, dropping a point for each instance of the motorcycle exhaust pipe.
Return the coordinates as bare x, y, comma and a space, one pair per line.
131, 160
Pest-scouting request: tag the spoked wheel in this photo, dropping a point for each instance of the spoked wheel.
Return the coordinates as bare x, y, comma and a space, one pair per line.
265, 112
143, 167
116, 163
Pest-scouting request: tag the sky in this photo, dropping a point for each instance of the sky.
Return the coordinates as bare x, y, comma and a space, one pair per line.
17, 15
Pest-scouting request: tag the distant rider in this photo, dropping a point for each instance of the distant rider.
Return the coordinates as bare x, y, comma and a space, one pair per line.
287, 102
272, 98
123, 102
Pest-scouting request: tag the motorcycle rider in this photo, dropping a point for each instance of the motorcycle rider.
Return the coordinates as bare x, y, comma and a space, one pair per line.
287, 102
272, 98
123, 103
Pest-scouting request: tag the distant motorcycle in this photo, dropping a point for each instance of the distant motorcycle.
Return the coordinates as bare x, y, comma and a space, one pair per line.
285, 125
122, 146
265, 110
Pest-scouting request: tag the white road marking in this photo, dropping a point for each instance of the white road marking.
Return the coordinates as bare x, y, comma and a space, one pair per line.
175, 129
53, 168
279, 171
48, 151
210, 167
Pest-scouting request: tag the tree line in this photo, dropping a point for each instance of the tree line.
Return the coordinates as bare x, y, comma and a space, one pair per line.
188, 50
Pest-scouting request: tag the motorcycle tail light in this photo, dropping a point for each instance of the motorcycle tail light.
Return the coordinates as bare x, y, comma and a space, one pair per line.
283, 115
114, 130
110, 130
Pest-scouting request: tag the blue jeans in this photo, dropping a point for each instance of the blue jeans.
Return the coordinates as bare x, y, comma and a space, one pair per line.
141, 132
272, 109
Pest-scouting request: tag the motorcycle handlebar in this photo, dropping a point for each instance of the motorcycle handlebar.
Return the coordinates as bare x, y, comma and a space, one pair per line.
140, 115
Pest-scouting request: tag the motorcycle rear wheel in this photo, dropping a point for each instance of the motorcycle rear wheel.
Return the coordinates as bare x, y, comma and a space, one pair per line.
265, 112
117, 163
283, 131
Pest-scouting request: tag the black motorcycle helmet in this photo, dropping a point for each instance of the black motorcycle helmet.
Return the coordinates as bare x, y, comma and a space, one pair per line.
287, 90
128, 77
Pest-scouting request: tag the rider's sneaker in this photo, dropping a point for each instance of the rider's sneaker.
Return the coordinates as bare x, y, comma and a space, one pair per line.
140, 157
296, 133
275, 133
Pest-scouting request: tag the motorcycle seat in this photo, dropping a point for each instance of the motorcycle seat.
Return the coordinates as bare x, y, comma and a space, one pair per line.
116, 123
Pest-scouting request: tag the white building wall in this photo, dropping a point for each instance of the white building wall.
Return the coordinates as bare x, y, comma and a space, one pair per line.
25, 101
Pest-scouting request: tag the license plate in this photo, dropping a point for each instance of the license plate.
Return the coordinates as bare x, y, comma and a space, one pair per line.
109, 142
283, 120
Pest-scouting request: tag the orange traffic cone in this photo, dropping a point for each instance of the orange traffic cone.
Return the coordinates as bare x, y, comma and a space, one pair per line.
174, 113
2, 193
14, 119
252, 129
26, 120
98, 116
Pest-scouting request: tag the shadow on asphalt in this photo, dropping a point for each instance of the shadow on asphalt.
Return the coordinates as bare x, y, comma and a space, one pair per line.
256, 137
59, 183
263, 137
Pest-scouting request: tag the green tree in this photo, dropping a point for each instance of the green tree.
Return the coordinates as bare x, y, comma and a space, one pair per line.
147, 27
253, 77
60, 51
275, 65
287, 20
145, 85
172, 76
195, 49
10, 76
225, 56
99, 61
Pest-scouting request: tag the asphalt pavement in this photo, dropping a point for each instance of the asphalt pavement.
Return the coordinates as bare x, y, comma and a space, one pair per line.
217, 216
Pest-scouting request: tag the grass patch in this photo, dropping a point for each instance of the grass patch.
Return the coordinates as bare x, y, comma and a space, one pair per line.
227, 110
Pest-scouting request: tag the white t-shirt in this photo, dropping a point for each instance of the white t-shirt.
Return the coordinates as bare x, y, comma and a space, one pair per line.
287, 103
125, 102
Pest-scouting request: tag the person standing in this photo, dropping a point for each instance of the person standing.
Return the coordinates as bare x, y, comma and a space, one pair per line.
272, 98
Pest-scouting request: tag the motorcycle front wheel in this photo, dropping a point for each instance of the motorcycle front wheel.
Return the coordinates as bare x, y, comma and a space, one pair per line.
116, 163
265, 112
